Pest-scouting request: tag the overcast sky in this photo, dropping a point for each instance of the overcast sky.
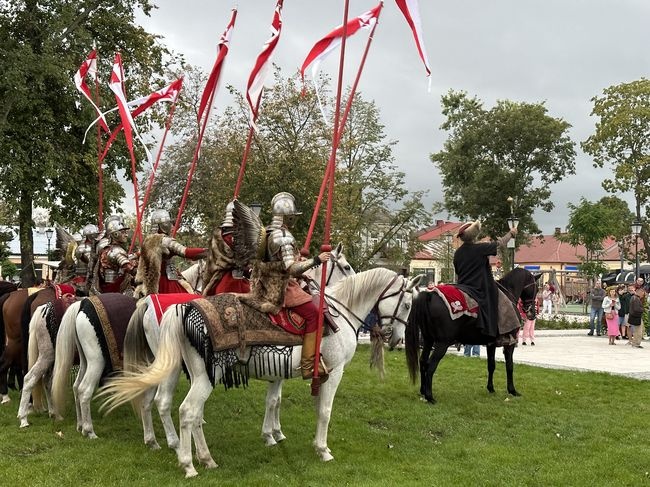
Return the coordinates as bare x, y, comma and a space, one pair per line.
560, 52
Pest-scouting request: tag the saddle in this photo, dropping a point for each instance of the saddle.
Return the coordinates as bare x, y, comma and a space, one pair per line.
232, 324
460, 303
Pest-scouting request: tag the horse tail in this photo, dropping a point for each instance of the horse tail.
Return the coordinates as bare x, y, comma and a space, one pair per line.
66, 344
3, 339
130, 385
417, 317
38, 320
137, 353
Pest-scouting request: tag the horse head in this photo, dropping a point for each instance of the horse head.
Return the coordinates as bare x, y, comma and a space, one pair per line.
522, 284
393, 322
338, 268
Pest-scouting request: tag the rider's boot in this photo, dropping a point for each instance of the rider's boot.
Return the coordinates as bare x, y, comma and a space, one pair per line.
307, 359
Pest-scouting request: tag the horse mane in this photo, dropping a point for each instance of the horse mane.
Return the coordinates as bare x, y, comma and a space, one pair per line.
508, 279
348, 289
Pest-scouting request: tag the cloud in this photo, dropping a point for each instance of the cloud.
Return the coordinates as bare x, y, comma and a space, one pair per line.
560, 52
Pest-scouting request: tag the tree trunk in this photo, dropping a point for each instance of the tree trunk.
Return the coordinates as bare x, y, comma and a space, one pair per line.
28, 272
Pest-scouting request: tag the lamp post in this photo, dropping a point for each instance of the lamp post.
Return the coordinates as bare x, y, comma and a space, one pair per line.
636, 230
48, 233
256, 207
513, 222
450, 273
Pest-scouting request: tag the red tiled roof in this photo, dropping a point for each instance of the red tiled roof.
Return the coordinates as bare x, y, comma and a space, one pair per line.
441, 227
549, 250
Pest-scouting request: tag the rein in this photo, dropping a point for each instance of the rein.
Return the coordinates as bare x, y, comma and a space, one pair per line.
529, 303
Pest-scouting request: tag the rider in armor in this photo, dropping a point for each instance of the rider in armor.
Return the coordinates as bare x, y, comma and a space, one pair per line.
472, 265
221, 274
156, 272
114, 264
281, 265
83, 253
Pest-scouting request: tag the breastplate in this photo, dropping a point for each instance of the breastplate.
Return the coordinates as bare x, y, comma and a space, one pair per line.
171, 272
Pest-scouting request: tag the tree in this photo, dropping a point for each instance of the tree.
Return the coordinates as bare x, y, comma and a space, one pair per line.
289, 153
589, 225
42, 122
622, 142
513, 149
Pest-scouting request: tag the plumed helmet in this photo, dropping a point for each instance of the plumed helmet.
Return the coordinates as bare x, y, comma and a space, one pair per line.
228, 221
77, 237
90, 231
115, 224
284, 204
468, 232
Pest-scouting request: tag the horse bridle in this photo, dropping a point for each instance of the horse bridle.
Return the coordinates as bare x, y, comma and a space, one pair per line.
527, 304
401, 291
335, 259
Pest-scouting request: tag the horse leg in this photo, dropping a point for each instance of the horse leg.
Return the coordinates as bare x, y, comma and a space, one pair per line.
508, 351
35, 374
75, 386
164, 397
86, 390
439, 351
491, 365
147, 422
324, 403
271, 429
47, 385
4, 388
191, 415
424, 361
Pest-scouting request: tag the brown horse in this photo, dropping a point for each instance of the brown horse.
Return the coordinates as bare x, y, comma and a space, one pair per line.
17, 307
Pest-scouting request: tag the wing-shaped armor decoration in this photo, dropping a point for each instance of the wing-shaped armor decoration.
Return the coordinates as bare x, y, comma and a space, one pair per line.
249, 236
66, 243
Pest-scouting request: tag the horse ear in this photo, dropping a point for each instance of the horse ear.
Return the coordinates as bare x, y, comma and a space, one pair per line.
339, 248
537, 276
414, 281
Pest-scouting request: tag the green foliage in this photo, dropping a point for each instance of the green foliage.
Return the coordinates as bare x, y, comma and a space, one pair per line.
42, 119
289, 152
513, 149
621, 143
381, 434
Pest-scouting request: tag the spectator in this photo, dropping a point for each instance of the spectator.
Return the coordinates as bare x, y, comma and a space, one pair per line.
547, 300
529, 325
635, 320
472, 350
555, 299
624, 297
611, 306
597, 296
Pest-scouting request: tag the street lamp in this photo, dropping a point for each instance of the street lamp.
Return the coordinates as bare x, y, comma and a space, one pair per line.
450, 273
513, 222
256, 207
636, 230
48, 233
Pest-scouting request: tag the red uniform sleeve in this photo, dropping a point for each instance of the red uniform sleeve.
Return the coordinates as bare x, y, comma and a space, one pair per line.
194, 253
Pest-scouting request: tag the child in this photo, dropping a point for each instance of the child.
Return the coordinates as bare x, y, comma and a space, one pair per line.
611, 306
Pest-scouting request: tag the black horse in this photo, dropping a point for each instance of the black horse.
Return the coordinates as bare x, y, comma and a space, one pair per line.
430, 320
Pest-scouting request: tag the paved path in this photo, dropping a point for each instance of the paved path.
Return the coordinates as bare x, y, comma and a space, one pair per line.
574, 350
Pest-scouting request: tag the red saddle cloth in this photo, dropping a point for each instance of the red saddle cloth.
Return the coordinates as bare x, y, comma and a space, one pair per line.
289, 321
458, 303
163, 301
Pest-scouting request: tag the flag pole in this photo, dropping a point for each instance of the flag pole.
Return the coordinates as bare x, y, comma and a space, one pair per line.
190, 174
100, 159
249, 140
147, 193
326, 247
332, 159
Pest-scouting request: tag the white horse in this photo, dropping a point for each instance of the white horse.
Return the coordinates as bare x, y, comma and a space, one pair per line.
353, 298
41, 349
141, 344
40, 354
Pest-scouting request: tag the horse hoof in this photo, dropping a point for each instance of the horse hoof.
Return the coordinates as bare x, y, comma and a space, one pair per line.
270, 441
5, 400
24, 423
514, 393
279, 436
209, 464
153, 445
191, 473
490, 390
326, 456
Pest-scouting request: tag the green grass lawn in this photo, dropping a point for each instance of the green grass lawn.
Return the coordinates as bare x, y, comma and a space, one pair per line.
567, 429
